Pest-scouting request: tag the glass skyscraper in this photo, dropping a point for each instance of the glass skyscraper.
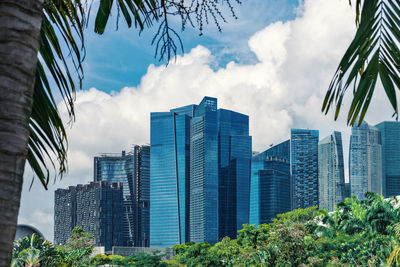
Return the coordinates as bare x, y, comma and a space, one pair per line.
330, 171
169, 176
132, 170
270, 184
390, 134
191, 148
365, 160
304, 168
234, 150
204, 172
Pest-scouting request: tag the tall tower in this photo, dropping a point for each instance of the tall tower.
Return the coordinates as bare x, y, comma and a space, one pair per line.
270, 184
304, 168
234, 159
200, 174
169, 176
365, 160
390, 134
204, 172
331, 171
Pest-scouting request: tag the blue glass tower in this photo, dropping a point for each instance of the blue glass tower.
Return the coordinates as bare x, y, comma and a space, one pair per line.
365, 160
114, 168
304, 168
204, 173
390, 134
169, 176
200, 172
234, 153
270, 184
331, 184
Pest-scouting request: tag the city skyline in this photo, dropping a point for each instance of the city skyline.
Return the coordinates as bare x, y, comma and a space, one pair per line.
110, 122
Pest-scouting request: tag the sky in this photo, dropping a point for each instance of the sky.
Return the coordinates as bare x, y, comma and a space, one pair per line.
273, 63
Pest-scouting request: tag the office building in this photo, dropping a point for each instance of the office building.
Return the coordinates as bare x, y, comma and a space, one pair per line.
365, 160
96, 207
169, 176
347, 190
191, 148
270, 184
304, 168
142, 196
132, 170
331, 183
390, 136
234, 150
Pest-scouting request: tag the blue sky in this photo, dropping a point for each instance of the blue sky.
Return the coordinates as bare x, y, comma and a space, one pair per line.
274, 63
120, 58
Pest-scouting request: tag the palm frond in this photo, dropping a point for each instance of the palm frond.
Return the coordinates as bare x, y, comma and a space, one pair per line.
47, 133
373, 54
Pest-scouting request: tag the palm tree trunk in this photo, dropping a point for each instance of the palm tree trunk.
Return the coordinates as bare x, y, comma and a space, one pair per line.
20, 22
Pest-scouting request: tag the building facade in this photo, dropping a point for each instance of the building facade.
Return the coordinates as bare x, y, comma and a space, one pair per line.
191, 148
390, 136
132, 170
304, 168
270, 184
234, 161
331, 184
365, 160
169, 176
64, 214
97, 208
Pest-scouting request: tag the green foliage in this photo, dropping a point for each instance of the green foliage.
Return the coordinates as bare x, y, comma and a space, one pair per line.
373, 54
80, 239
197, 254
357, 233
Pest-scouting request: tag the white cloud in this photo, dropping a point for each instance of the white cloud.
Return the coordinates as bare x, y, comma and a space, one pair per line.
284, 89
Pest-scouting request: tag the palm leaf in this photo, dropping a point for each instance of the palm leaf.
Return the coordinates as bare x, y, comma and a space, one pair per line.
47, 141
373, 54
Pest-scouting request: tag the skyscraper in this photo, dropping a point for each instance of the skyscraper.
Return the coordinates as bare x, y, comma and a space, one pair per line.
96, 207
64, 214
204, 172
234, 150
169, 176
365, 160
390, 135
191, 148
270, 184
304, 168
331, 184
132, 170
142, 196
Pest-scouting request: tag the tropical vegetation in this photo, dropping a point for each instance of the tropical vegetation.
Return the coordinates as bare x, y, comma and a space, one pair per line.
357, 233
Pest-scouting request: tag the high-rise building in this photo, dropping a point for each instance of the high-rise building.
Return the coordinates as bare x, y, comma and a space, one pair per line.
132, 170
169, 176
204, 172
331, 184
270, 184
304, 168
191, 147
347, 190
142, 196
390, 134
365, 160
234, 150
96, 207
64, 214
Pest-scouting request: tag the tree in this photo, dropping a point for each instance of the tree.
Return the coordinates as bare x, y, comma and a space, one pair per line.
373, 54
30, 126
